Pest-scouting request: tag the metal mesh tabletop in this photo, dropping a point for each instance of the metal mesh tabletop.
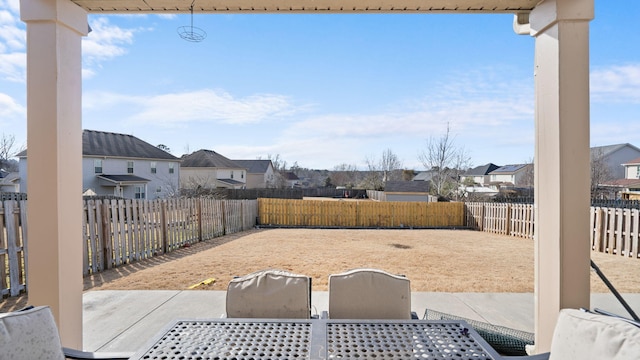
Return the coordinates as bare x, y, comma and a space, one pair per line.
402, 340
233, 340
269, 339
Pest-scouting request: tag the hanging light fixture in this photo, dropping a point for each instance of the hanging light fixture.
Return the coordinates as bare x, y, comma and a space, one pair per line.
192, 33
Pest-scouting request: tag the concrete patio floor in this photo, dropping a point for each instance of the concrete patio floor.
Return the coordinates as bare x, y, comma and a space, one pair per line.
125, 320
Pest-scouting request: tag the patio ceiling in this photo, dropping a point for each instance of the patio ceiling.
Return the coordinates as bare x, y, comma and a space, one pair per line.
319, 6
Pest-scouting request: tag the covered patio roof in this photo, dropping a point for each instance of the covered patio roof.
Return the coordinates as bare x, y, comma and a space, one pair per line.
54, 129
316, 6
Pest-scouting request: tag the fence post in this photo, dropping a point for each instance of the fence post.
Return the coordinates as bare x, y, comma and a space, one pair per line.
164, 235
106, 236
509, 219
199, 214
12, 249
224, 216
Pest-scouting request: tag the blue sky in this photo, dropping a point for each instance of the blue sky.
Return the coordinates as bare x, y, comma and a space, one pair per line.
323, 90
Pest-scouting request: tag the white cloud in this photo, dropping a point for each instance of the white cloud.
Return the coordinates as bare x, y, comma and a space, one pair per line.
9, 108
105, 42
13, 66
207, 105
616, 84
12, 43
475, 103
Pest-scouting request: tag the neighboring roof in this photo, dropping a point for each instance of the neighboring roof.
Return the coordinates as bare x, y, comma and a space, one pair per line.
609, 149
208, 159
481, 170
633, 162
101, 143
509, 169
9, 178
623, 183
407, 186
288, 175
231, 181
123, 178
254, 166
423, 176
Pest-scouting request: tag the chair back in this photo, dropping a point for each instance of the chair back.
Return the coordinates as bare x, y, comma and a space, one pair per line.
582, 335
369, 294
273, 294
30, 334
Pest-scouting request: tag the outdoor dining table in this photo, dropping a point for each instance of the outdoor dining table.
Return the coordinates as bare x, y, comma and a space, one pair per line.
257, 339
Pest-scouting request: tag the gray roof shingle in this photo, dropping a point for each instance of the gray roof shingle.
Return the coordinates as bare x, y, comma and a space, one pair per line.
208, 159
481, 170
407, 186
254, 166
101, 143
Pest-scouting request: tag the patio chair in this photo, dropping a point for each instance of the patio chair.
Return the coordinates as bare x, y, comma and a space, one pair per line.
580, 334
369, 294
273, 294
32, 333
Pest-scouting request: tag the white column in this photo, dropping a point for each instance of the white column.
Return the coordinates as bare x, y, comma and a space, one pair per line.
54, 167
562, 176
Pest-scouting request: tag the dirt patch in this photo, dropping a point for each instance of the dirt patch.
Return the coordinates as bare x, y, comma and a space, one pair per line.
434, 260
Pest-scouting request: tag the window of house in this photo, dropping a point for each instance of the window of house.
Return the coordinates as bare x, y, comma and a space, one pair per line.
171, 169
159, 189
139, 192
232, 174
129, 167
97, 166
154, 167
242, 175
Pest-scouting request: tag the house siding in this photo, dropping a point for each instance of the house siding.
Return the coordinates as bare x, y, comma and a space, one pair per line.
168, 183
619, 157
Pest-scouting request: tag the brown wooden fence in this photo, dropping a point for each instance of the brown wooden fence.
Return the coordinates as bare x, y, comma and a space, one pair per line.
616, 231
13, 249
122, 231
507, 219
360, 214
117, 232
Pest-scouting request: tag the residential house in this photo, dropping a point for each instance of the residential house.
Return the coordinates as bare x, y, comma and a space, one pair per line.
614, 156
408, 191
479, 175
512, 176
121, 165
9, 181
629, 187
291, 180
260, 173
206, 169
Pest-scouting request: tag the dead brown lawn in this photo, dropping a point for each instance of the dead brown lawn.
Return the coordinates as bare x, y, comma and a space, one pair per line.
434, 260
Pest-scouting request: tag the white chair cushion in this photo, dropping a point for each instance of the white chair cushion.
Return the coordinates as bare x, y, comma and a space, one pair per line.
369, 294
273, 294
582, 335
30, 334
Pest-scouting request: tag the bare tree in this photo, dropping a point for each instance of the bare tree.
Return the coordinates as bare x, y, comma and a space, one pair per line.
446, 161
343, 175
600, 173
9, 149
389, 165
373, 175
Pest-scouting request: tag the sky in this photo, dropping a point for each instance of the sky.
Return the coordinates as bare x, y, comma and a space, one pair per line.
325, 90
